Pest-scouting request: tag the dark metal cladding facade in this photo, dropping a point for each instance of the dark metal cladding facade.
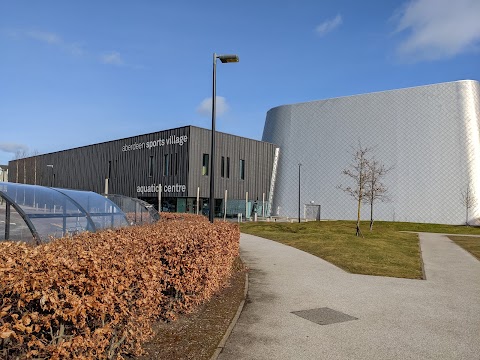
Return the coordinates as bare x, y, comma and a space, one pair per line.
140, 161
258, 157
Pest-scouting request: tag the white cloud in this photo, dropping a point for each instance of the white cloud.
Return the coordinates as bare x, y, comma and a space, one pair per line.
44, 36
205, 107
76, 49
112, 58
438, 28
329, 25
73, 48
13, 147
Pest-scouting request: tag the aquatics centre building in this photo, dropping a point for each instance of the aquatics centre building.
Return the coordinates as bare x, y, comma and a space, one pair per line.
429, 135
170, 166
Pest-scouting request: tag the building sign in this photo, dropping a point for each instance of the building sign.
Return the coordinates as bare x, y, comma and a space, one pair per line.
177, 188
171, 140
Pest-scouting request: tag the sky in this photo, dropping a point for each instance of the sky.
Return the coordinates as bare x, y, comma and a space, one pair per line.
75, 73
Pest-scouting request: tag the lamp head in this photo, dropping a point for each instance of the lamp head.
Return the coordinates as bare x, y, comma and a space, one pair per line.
228, 58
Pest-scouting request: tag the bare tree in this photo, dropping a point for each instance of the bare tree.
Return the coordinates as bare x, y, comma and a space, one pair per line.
357, 171
20, 154
375, 188
468, 200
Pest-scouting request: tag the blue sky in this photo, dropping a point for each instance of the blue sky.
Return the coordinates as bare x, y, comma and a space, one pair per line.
74, 73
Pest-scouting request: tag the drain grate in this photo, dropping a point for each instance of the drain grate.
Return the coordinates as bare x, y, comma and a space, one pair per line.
324, 316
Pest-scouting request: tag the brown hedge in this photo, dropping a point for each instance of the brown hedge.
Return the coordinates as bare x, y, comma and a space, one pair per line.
95, 296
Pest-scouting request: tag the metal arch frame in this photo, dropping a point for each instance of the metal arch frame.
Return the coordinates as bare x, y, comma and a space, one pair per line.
9, 201
153, 214
116, 206
86, 213
82, 212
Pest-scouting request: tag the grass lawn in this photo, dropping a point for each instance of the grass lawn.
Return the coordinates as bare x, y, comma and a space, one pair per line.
385, 251
471, 244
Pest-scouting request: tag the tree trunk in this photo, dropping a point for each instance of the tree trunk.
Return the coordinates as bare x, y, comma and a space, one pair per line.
371, 216
358, 216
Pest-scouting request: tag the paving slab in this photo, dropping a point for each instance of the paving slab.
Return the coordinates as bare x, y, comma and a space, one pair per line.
387, 318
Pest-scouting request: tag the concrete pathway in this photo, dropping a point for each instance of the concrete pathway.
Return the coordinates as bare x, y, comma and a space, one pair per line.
437, 318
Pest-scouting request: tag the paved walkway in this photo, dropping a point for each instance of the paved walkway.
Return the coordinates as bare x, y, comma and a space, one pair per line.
437, 318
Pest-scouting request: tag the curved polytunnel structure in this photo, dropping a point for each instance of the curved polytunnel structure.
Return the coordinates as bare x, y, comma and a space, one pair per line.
137, 211
34, 214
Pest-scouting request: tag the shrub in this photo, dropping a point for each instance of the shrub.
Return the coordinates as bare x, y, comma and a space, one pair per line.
95, 296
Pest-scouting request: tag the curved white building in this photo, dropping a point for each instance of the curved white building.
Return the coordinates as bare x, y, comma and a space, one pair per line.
430, 134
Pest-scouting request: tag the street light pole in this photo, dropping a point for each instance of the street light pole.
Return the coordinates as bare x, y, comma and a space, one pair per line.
212, 149
299, 165
223, 59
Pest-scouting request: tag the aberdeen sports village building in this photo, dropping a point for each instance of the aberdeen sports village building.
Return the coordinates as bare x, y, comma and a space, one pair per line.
429, 134
170, 166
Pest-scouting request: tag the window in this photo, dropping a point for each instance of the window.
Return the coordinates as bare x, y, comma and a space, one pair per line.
222, 167
242, 169
150, 166
228, 168
109, 169
166, 165
176, 164
205, 164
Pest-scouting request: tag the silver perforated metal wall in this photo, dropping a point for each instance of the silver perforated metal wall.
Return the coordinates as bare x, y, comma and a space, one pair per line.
430, 134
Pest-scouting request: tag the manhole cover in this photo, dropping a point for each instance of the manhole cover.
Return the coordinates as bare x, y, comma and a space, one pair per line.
324, 316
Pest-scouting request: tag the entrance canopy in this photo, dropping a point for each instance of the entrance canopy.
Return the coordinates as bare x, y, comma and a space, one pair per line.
35, 214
